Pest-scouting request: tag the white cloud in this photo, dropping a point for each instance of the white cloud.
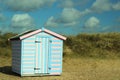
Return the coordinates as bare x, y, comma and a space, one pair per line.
104, 5
22, 22
67, 3
86, 11
92, 22
51, 22
72, 3
71, 24
68, 17
101, 5
116, 6
27, 5
97, 6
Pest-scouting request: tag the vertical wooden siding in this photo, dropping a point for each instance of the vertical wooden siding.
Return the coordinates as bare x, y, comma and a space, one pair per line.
16, 56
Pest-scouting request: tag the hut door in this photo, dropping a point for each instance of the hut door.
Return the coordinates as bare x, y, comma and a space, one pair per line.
42, 52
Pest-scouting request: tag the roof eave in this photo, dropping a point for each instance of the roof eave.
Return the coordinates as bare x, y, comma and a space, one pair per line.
30, 34
38, 31
55, 34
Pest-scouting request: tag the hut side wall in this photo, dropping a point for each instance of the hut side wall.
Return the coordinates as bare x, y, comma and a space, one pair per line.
16, 56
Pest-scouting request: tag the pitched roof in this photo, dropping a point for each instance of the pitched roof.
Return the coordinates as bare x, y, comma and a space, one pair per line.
33, 32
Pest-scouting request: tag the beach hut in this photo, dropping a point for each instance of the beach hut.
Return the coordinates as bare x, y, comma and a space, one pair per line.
37, 52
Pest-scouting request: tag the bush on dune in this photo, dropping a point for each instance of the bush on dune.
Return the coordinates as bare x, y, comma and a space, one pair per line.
95, 45
5, 48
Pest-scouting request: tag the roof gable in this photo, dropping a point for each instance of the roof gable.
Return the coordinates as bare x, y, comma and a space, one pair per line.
33, 32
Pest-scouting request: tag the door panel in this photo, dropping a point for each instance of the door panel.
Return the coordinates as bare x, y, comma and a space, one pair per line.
45, 54
42, 52
37, 56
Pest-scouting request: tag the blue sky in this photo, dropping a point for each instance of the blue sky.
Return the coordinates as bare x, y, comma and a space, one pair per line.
61, 16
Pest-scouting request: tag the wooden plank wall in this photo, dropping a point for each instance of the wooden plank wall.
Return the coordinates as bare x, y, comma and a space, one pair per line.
56, 56
16, 56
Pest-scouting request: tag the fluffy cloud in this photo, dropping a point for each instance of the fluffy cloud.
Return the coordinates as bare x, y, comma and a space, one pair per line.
68, 17
104, 5
71, 24
22, 22
51, 22
67, 3
27, 5
72, 3
101, 5
92, 22
97, 6
116, 6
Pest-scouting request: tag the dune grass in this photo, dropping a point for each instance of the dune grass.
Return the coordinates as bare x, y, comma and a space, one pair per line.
73, 69
104, 45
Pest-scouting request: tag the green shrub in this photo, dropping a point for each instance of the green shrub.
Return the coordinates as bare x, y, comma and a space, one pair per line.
95, 45
5, 52
5, 47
